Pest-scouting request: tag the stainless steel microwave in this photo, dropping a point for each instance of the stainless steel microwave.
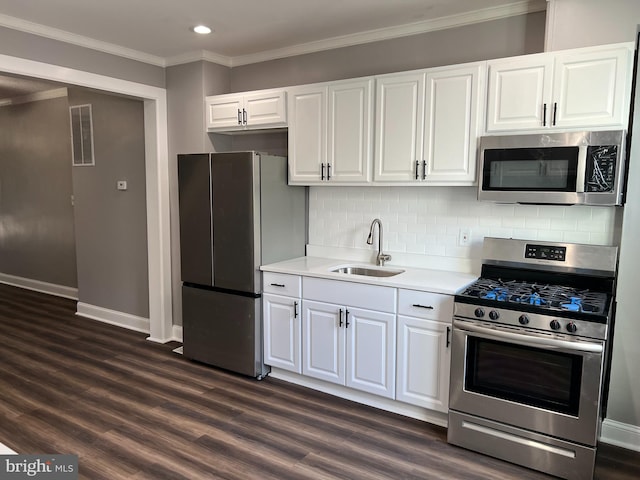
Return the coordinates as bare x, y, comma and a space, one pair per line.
553, 168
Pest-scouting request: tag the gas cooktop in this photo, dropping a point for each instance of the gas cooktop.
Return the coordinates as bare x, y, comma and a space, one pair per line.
539, 296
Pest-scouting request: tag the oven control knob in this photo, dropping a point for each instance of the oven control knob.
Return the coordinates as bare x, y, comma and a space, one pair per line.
493, 315
555, 325
571, 327
523, 319
479, 313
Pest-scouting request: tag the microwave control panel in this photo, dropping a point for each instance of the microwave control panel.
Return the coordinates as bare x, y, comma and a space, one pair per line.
600, 171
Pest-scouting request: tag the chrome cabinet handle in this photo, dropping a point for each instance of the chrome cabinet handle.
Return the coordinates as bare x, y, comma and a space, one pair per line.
346, 319
448, 337
322, 171
281, 285
555, 112
424, 169
239, 117
417, 165
295, 310
544, 114
328, 171
340, 322
244, 116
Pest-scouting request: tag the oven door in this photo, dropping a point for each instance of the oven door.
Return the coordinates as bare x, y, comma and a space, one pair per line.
534, 381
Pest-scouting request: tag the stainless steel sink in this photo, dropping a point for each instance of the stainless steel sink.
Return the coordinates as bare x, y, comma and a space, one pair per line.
367, 272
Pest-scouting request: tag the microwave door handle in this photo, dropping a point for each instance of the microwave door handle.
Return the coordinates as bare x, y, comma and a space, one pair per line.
582, 168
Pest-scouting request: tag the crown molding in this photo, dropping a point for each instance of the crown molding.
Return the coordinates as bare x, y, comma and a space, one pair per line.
493, 13
67, 37
452, 21
197, 56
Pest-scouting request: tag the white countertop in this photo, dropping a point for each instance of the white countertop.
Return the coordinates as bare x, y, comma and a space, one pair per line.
436, 281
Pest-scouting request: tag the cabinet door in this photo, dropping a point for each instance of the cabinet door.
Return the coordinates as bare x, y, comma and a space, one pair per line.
282, 332
451, 125
323, 341
265, 109
307, 134
350, 123
371, 351
424, 357
224, 112
399, 126
590, 88
518, 92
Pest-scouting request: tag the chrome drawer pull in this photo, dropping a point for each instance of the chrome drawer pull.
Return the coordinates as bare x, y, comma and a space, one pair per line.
281, 285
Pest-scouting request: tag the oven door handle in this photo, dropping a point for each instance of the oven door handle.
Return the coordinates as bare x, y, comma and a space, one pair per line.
521, 339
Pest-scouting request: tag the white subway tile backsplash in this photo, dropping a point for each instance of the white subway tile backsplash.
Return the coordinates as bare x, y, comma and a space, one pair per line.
427, 220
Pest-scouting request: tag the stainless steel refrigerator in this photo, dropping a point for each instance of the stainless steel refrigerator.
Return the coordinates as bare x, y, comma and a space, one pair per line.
236, 213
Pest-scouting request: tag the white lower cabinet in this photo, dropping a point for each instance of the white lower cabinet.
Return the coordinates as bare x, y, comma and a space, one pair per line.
282, 332
348, 334
345, 343
424, 350
281, 321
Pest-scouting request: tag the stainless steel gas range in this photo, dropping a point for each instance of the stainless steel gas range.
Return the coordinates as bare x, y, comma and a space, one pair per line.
530, 348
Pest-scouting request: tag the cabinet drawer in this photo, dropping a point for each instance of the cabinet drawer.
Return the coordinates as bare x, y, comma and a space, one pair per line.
429, 305
371, 297
281, 284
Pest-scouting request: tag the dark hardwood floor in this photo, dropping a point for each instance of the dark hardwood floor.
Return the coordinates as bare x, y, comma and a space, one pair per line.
132, 409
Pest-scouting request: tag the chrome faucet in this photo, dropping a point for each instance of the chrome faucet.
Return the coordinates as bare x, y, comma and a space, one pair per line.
382, 257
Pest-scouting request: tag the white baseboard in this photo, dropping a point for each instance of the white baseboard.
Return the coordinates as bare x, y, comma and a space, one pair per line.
620, 434
401, 408
113, 317
38, 286
176, 333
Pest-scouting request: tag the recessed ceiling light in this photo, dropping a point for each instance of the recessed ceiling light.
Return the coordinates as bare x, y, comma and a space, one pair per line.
202, 29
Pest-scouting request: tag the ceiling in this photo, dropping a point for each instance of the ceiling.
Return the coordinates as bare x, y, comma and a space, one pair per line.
244, 31
158, 31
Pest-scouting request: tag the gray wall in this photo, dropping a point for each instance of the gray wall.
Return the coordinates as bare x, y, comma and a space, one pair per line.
585, 23
46, 50
111, 225
481, 41
36, 216
187, 85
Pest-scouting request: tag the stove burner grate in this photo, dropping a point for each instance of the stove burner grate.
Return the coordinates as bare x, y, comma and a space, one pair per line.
544, 296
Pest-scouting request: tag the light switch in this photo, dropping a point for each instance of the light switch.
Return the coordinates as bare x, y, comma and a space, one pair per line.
122, 184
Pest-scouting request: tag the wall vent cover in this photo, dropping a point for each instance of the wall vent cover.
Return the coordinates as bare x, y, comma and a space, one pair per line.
81, 135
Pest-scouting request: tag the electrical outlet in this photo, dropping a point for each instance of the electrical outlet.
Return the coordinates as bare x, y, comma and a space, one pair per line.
464, 237
121, 185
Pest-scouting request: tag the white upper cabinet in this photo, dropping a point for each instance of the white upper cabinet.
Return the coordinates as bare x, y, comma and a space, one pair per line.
399, 126
580, 88
246, 111
427, 126
330, 133
349, 132
452, 124
307, 134
519, 93
591, 88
